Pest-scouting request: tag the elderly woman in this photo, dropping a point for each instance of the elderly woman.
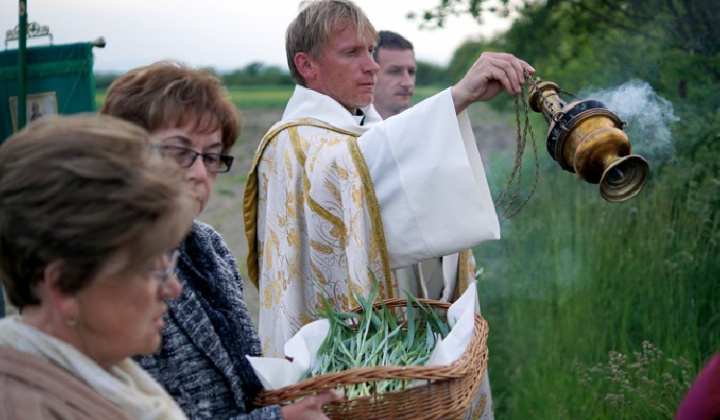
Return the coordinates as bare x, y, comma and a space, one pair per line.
209, 330
89, 220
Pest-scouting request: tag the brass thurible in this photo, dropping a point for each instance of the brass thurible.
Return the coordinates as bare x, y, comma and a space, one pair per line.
585, 138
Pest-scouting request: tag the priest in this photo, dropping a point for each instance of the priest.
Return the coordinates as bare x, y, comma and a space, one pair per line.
337, 198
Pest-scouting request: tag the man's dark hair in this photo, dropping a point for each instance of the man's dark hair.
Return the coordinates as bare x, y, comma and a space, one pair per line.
392, 41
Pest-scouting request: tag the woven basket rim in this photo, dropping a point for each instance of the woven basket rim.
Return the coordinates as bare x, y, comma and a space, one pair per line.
460, 368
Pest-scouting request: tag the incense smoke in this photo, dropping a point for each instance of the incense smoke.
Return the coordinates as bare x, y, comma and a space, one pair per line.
647, 114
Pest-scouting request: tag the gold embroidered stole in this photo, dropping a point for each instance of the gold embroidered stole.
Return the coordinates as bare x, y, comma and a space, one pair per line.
251, 198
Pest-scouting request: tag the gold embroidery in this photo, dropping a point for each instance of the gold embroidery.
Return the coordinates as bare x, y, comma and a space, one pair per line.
318, 274
265, 181
343, 301
321, 248
290, 206
334, 191
293, 239
274, 241
293, 268
275, 286
374, 248
321, 306
281, 220
357, 290
479, 408
269, 260
265, 346
288, 164
374, 210
314, 206
304, 145
342, 173
357, 195
354, 222
267, 301
466, 266
341, 206
304, 319
251, 199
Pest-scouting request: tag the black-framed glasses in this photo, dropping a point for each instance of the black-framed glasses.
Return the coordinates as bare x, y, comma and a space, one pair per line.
185, 157
164, 274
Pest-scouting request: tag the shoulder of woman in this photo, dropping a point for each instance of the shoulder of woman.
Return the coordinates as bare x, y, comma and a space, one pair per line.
206, 234
33, 388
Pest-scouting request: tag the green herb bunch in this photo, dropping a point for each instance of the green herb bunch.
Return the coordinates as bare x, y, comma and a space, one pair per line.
378, 336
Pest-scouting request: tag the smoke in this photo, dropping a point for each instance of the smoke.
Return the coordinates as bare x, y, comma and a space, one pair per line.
647, 114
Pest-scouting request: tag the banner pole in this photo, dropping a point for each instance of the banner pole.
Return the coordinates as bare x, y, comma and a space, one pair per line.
22, 66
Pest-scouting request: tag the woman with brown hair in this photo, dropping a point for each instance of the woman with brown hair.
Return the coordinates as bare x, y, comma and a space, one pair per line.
89, 221
209, 330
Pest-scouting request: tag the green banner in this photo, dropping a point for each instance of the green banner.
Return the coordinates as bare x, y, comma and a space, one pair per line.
59, 81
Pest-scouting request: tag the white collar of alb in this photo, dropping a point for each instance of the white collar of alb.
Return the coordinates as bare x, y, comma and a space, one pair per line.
307, 103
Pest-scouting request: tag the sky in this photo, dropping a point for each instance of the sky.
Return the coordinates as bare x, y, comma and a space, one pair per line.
223, 34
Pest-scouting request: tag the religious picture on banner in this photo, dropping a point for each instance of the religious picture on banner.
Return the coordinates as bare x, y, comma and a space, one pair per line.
38, 105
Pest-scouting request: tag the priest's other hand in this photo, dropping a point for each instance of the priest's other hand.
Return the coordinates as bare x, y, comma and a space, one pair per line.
491, 74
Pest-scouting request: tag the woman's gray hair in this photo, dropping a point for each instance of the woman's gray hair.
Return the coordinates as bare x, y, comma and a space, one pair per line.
78, 190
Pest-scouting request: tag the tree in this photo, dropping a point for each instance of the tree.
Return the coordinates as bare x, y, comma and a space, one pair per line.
438, 15
431, 74
692, 26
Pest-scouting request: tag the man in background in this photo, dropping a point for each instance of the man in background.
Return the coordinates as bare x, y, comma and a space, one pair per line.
443, 278
395, 83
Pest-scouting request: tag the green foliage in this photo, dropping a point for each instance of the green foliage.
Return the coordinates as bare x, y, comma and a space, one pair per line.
431, 74
437, 16
103, 80
257, 74
575, 277
260, 96
464, 57
378, 336
648, 385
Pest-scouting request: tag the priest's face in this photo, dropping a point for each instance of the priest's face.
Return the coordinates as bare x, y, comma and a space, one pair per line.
345, 69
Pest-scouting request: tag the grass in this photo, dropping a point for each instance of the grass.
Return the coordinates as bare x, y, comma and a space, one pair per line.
575, 281
270, 97
260, 97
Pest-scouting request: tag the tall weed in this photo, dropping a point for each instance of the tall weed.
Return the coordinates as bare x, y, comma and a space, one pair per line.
575, 277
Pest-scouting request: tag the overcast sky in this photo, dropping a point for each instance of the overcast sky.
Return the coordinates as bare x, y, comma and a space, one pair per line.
224, 34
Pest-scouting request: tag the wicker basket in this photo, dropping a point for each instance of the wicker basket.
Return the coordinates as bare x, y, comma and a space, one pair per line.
447, 394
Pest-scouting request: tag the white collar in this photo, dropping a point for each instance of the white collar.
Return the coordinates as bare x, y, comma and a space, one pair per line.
307, 103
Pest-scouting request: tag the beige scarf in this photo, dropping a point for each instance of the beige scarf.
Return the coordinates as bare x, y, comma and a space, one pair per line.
126, 385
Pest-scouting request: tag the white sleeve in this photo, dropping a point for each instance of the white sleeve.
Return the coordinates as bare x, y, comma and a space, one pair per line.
429, 181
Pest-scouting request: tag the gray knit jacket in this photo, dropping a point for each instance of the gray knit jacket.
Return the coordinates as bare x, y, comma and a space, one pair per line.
207, 333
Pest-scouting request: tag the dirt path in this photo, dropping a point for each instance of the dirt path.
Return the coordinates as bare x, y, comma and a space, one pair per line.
224, 211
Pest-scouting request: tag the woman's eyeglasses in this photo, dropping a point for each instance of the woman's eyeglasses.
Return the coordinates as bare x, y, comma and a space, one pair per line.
214, 162
171, 259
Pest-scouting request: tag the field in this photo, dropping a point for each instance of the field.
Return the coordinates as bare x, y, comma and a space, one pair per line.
274, 97
270, 97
